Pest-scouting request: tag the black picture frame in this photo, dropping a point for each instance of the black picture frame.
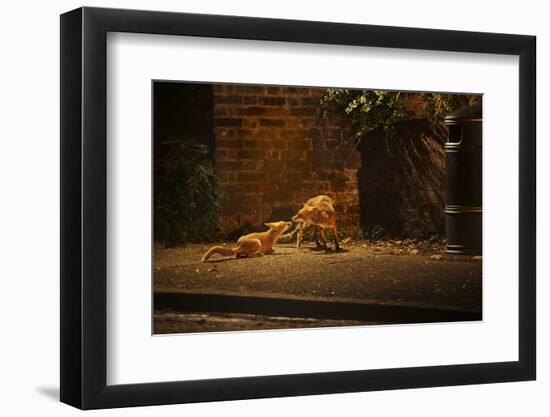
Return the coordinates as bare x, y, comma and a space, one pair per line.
84, 207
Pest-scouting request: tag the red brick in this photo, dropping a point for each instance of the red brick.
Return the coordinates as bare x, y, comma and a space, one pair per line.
275, 111
250, 176
293, 101
309, 122
228, 99
249, 100
258, 144
228, 143
251, 154
227, 176
293, 123
304, 111
229, 88
227, 122
314, 133
250, 122
273, 165
279, 144
251, 165
243, 133
299, 144
309, 101
222, 166
231, 154
218, 88
293, 134
250, 111
293, 154
266, 133
272, 101
296, 90
250, 89
272, 122
273, 154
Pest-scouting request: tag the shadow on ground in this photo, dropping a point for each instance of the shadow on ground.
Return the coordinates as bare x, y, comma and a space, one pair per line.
50, 392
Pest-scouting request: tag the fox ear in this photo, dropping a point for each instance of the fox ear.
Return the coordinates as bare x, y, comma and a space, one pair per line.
270, 225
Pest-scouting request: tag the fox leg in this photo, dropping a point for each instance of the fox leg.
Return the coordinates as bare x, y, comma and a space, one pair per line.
316, 234
300, 235
336, 239
316, 237
323, 237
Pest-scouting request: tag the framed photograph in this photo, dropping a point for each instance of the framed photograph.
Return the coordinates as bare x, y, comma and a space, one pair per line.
256, 208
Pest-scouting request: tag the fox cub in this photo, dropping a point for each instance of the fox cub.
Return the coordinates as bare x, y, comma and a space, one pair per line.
253, 244
318, 211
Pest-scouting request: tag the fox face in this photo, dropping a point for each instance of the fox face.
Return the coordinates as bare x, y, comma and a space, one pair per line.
279, 226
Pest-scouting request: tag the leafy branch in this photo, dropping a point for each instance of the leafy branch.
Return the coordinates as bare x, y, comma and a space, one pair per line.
365, 111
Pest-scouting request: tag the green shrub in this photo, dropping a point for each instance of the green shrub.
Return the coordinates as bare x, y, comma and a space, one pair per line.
186, 192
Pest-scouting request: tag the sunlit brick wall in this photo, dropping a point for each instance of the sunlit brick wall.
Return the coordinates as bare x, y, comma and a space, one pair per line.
274, 151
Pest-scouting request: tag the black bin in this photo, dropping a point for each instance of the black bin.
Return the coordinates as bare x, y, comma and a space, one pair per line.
463, 205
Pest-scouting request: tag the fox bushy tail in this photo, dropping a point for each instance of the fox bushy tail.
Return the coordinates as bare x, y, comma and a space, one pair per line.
221, 250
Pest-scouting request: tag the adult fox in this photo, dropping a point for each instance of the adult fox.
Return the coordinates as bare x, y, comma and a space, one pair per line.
318, 211
253, 244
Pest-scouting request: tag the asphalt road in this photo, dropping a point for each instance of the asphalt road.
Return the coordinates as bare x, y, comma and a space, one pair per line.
167, 322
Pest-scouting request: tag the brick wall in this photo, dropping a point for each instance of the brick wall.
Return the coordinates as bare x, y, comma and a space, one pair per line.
273, 151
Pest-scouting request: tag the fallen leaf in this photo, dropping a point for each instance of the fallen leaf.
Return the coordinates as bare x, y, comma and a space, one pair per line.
436, 257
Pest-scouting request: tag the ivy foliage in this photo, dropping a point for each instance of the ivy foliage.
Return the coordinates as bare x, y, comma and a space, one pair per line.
186, 195
365, 110
369, 110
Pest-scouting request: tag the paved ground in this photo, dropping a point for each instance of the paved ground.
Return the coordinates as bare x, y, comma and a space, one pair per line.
363, 272
167, 321
387, 273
